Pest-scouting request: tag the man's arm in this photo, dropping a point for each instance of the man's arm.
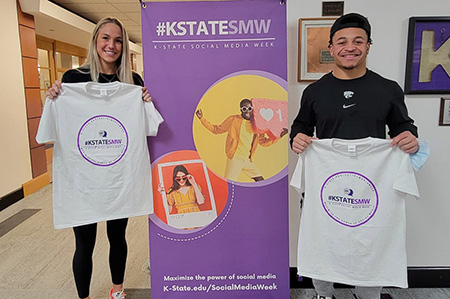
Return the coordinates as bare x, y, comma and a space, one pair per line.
215, 129
401, 127
398, 119
302, 128
265, 140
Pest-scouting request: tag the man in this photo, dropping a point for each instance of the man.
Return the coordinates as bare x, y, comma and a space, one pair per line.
352, 102
241, 142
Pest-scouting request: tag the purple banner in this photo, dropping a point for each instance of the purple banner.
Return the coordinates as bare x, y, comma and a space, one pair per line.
217, 72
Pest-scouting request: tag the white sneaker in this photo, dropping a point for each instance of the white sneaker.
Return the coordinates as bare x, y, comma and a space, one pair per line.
323, 297
116, 295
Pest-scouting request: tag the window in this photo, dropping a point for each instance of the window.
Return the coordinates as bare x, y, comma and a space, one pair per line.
55, 58
65, 62
46, 74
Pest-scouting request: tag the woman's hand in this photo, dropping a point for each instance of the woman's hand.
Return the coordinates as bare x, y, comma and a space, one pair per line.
191, 179
53, 92
161, 188
145, 95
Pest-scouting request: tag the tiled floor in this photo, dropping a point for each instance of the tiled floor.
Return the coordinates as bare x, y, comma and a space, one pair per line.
36, 259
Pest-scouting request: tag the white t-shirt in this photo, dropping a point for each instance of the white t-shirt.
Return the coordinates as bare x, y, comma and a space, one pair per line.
353, 222
101, 163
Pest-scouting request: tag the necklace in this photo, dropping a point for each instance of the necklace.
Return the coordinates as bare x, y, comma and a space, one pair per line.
105, 76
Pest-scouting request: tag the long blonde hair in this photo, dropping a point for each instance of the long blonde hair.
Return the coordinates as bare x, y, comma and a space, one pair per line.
123, 62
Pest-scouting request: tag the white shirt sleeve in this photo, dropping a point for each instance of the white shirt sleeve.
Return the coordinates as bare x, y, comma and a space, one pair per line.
406, 180
152, 119
47, 125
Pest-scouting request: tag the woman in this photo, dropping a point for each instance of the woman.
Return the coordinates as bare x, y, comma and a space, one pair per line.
184, 194
108, 60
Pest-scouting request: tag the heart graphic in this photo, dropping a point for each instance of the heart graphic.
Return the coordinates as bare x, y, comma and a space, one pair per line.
267, 114
270, 117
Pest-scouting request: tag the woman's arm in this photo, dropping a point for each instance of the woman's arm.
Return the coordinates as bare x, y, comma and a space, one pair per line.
137, 80
145, 95
170, 200
53, 92
198, 193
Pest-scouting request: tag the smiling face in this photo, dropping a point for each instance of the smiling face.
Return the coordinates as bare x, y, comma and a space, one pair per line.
181, 178
349, 48
247, 110
109, 47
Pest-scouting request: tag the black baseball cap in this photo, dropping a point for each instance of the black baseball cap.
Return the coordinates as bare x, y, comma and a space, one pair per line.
350, 20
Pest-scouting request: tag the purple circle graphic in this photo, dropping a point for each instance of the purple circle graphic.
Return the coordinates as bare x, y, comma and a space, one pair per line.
102, 140
349, 198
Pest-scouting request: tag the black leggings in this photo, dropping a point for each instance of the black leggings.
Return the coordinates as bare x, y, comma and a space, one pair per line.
82, 260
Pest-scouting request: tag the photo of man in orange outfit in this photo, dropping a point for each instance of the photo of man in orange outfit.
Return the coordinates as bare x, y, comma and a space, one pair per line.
241, 142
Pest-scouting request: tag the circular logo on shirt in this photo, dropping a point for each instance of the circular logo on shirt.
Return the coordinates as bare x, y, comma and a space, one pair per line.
349, 198
102, 140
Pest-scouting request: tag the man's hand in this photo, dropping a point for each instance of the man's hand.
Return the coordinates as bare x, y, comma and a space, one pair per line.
406, 141
199, 113
301, 142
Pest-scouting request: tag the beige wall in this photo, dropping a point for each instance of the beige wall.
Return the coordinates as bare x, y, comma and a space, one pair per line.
15, 165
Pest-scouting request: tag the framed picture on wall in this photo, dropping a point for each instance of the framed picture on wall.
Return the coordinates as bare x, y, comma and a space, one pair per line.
428, 59
314, 59
444, 115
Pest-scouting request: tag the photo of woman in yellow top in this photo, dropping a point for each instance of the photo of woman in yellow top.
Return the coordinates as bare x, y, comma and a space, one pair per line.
185, 195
